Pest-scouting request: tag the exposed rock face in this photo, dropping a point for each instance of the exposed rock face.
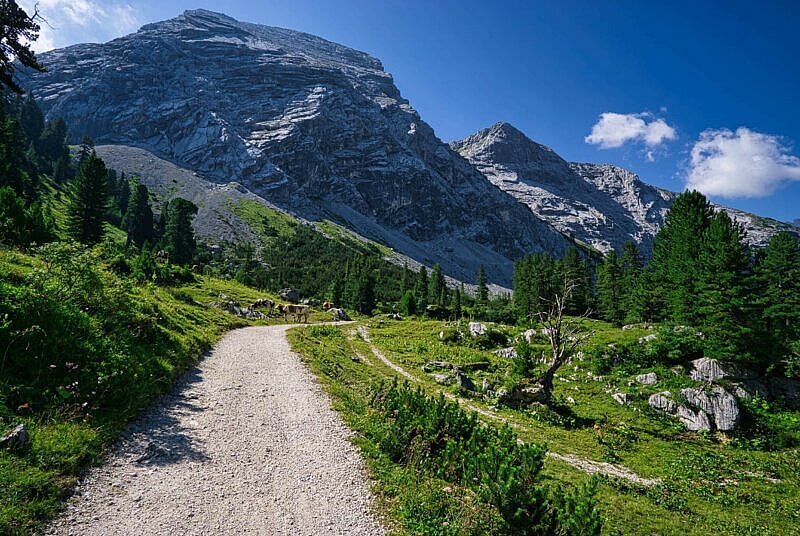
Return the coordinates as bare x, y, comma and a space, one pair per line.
693, 420
601, 204
718, 403
16, 438
312, 126
662, 402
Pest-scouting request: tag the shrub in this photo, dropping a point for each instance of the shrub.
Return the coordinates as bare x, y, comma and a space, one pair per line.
437, 437
490, 339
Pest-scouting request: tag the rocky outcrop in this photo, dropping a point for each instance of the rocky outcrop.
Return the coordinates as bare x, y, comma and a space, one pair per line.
600, 204
16, 439
662, 402
651, 378
314, 127
694, 421
717, 403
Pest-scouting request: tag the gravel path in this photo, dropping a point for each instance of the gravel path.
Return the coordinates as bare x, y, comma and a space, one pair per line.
246, 444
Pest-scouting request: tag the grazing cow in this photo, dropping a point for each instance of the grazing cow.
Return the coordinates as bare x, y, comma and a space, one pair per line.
328, 305
267, 304
196, 268
297, 311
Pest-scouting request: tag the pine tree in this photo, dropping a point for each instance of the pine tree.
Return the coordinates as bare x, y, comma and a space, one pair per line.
53, 149
483, 289
778, 277
437, 286
179, 239
574, 268
609, 289
408, 304
631, 264
88, 201
17, 31
457, 303
723, 262
365, 293
334, 292
675, 262
12, 153
421, 289
138, 220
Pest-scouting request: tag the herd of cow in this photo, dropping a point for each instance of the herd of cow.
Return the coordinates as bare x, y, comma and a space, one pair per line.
297, 312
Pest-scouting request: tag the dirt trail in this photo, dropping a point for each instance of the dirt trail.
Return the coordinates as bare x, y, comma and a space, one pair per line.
246, 444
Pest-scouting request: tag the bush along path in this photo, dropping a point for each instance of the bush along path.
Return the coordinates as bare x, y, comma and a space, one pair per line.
582, 464
246, 443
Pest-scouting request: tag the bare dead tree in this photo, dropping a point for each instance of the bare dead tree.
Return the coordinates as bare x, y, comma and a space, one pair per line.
565, 335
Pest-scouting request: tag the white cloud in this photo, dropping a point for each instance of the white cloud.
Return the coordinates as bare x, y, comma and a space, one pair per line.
77, 21
744, 163
614, 130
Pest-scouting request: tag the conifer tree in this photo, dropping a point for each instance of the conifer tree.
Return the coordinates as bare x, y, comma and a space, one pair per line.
437, 286
575, 268
12, 153
778, 273
334, 293
88, 201
675, 262
53, 149
457, 303
631, 265
179, 239
723, 263
139, 217
17, 31
421, 289
609, 289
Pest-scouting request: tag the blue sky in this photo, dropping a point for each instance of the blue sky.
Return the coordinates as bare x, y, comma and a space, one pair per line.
703, 94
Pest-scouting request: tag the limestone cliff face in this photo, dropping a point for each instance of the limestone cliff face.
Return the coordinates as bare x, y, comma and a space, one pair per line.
312, 126
600, 204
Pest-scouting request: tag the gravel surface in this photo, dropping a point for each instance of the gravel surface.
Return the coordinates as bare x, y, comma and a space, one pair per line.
246, 444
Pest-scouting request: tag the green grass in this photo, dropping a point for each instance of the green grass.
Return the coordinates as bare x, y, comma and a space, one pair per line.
266, 222
709, 485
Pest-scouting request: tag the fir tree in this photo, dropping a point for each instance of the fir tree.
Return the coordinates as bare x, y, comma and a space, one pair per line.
53, 149
778, 274
723, 262
179, 239
457, 303
675, 262
631, 264
609, 289
437, 286
421, 289
138, 220
575, 268
88, 201
365, 293
17, 31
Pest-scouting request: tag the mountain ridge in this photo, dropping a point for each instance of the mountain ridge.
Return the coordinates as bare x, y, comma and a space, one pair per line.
313, 127
603, 205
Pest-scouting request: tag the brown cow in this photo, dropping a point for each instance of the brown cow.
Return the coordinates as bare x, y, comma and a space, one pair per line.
328, 305
297, 311
266, 303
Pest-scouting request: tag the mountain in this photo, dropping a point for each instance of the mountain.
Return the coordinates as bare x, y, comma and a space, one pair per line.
316, 128
599, 204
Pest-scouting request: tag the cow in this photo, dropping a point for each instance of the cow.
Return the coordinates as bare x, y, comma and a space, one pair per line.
328, 305
297, 311
267, 304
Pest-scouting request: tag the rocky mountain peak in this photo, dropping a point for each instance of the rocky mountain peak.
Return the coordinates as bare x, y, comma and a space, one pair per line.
315, 127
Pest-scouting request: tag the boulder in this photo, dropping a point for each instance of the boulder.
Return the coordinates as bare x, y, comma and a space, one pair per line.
506, 353
651, 378
289, 294
693, 421
16, 438
718, 403
622, 398
711, 370
464, 382
443, 379
662, 402
648, 338
749, 389
313, 302
476, 328
339, 315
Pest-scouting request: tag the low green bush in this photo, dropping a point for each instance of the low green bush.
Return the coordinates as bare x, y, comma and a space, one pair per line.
437, 437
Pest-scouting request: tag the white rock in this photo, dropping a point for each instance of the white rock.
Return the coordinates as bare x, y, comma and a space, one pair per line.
651, 378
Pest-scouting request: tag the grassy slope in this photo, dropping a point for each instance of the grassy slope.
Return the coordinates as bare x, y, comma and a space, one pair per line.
709, 487
64, 440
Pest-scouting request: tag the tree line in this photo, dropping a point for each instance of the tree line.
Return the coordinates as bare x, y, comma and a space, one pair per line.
703, 274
